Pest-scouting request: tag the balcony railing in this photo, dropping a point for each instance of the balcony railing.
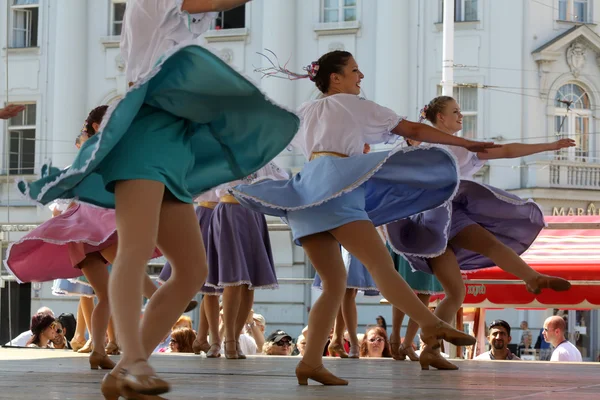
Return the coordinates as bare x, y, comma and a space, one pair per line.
563, 174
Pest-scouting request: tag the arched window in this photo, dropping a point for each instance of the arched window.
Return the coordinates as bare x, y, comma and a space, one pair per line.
572, 119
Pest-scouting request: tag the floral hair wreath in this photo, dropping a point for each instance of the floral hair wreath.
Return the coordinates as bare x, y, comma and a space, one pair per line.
423, 113
276, 70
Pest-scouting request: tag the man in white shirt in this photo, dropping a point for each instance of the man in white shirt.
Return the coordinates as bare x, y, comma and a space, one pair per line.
554, 333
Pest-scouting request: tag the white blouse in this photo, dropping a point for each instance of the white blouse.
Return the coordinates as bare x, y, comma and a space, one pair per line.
468, 162
211, 195
152, 27
343, 123
60, 205
269, 171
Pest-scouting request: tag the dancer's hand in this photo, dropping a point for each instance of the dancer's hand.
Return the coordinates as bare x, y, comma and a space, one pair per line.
479, 147
562, 144
11, 111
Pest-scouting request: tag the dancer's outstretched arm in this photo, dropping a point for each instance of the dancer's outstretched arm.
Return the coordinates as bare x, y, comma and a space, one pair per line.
429, 134
515, 150
202, 6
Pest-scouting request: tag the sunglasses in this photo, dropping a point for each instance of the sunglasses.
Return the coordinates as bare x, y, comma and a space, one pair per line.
53, 326
377, 339
283, 343
173, 341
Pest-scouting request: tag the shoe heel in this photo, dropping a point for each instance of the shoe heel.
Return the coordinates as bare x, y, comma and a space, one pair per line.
302, 380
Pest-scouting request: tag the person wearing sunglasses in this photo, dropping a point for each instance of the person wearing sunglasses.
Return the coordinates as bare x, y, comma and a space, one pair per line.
499, 338
278, 343
554, 332
375, 343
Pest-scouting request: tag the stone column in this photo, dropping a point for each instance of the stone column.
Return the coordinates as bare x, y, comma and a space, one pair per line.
70, 78
279, 30
392, 56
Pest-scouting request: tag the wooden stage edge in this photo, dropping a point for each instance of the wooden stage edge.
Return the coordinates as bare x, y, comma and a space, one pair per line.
56, 374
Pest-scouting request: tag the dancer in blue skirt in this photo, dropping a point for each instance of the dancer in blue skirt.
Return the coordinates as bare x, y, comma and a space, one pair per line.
341, 194
188, 123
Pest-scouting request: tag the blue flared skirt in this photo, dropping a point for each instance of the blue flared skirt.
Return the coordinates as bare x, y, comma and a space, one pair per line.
192, 123
64, 287
512, 220
381, 187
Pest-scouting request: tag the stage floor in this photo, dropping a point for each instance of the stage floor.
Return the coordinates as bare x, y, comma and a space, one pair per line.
56, 374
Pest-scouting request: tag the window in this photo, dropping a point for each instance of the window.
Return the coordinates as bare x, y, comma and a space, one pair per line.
464, 10
572, 116
573, 10
467, 99
21, 142
24, 19
232, 19
117, 13
339, 10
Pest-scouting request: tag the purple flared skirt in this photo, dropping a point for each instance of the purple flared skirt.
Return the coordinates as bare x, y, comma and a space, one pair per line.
512, 220
239, 249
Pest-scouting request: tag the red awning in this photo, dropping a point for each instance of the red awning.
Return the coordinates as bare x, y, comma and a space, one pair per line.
573, 254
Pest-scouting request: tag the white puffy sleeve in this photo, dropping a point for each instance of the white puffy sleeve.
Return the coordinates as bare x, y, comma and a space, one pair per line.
60, 205
196, 23
468, 162
376, 121
270, 171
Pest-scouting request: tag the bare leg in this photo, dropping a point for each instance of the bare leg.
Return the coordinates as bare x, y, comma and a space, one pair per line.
87, 308
231, 306
80, 327
149, 287
351, 316
211, 308
362, 240
93, 267
202, 336
479, 240
446, 270
397, 318
324, 253
336, 346
406, 348
246, 303
112, 347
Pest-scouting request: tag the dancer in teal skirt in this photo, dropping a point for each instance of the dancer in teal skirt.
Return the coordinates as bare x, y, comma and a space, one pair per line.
188, 123
424, 285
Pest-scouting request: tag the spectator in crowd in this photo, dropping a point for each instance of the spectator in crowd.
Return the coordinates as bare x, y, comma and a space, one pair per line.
301, 344
68, 322
22, 339
60, 341
381, 322
554, 333
278, 343
182, 340
499, 338
526, 337
43, 328
375, 343
255, 328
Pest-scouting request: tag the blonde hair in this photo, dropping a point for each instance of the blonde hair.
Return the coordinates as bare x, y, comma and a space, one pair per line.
269, 346
184, 319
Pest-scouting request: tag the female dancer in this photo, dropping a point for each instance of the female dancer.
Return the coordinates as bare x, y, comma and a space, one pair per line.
347, 317
341, 195
487, 226
209, 306
240, 260
209, 124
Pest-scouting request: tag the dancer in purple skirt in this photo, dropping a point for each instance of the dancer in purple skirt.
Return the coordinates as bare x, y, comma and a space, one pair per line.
485, 226
239, 257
